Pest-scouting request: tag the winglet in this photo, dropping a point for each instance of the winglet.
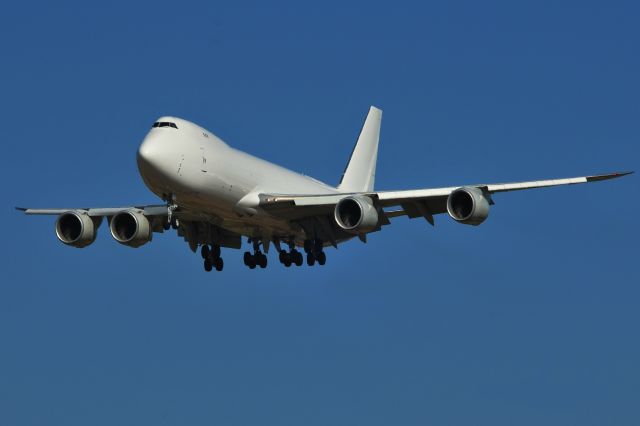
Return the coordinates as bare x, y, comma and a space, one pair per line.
607, 176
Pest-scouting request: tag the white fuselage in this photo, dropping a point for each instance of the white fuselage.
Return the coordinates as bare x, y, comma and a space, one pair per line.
193, 168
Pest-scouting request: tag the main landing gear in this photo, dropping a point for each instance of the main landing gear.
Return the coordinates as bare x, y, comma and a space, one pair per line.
313, 249
211, 256
315, 252
257, 258
292, 257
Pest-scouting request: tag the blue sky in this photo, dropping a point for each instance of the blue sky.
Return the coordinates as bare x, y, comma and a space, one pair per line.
531, 318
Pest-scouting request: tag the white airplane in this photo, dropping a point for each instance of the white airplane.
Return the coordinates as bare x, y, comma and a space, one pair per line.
216, 194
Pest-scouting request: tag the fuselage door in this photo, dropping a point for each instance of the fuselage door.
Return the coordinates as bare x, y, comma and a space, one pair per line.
203, 167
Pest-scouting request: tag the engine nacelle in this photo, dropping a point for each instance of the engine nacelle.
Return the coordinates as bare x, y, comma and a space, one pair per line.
76, 228
468, 205
130, 228
356, 214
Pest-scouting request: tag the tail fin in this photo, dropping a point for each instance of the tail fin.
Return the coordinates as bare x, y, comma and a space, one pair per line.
360, 172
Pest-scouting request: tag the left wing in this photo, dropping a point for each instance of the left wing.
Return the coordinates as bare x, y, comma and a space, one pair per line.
414, 203
152, 210
136, 224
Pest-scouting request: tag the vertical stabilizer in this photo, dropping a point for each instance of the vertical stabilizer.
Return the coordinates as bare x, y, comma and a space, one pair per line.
361, 168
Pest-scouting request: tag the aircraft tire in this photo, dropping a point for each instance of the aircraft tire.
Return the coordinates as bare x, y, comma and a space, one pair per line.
219, 264
208, 266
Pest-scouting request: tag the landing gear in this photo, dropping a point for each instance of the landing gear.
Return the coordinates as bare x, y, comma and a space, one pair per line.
311, 259
211, 256
172, 224
315, 253
208, 265
256, 259
313, 249
249, 260
219, 264
213, 252
292, 257
297, 257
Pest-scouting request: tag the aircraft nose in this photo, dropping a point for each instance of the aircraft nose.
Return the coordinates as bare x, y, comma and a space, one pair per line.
145, 152
149, 155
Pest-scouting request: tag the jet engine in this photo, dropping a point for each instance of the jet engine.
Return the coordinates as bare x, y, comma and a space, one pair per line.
356, 214
468, 205
76, 228
130, 228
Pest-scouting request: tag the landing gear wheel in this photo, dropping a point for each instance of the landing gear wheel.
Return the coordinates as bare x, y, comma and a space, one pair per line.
219, 264
282, 256
311, 259
322, 258
261, 260
297, 257
208, 266
215, 251
204, 251
250, 260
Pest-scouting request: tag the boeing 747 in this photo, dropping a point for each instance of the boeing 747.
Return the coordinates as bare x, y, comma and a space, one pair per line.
214, 195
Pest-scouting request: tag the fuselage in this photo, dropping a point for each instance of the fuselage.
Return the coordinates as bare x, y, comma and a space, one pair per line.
186, 164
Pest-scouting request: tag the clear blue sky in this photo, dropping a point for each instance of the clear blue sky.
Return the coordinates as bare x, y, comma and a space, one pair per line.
531, 318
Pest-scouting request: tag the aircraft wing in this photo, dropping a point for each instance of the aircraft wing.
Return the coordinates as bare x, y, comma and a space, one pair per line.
151, 210
414, 203
195, 227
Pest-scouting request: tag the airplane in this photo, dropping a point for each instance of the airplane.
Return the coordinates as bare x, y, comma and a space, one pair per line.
214, 195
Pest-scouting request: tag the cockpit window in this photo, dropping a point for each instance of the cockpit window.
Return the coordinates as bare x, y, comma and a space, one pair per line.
165, 124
